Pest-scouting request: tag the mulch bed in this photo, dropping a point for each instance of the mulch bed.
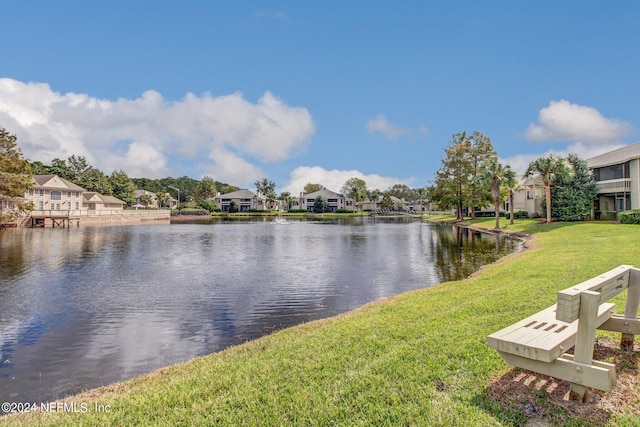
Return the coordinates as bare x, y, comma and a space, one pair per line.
545, 400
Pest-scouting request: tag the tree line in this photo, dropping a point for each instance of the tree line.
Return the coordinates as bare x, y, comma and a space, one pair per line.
471, 177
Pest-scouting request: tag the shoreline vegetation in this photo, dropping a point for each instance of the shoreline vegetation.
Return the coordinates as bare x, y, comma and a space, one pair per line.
419, 358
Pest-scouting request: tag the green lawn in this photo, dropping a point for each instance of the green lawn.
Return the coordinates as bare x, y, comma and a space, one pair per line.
418, 359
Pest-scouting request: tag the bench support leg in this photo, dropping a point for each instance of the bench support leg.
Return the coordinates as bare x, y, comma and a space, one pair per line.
631, 308
585, 338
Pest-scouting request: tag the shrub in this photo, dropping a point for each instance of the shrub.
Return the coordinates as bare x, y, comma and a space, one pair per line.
344, 211
208, 204
517, 214
190, 211
629, 217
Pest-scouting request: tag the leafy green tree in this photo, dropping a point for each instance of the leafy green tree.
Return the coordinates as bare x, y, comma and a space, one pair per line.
320, 205
205, 189
94, 180
453, 178
268, 189
123, 187
549, 169
78, 165
572, 195
312, 188
38, 168
356, 189
208, 204
233, 207
386, 202
481, 153
59, 167
401, 191
226, 188
15, 175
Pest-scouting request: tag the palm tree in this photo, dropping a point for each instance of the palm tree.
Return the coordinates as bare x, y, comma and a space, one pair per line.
285, 196
549, 169
421, 192
164, 199
513, 186
496, 174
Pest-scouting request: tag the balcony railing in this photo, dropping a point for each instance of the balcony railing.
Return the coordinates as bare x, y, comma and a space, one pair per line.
614, 185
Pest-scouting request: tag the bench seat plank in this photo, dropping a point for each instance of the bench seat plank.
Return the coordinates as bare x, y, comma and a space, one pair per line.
541, 336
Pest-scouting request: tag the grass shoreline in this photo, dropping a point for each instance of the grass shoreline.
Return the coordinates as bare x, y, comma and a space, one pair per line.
419, 358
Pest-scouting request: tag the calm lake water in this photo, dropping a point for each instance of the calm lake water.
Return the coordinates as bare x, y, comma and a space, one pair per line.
89, 306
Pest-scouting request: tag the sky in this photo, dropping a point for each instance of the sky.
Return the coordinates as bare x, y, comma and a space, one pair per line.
320, 92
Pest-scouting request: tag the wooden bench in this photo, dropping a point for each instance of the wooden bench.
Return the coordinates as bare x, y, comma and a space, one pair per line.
539, 343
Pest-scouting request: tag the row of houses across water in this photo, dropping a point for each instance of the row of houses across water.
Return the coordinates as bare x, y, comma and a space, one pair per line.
58, 202
617, 176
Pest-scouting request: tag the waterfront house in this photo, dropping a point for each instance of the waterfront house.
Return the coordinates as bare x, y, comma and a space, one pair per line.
244, 200
52, 193
92, 201
58, 202
617, 175
529, 196
153, 196
335, 201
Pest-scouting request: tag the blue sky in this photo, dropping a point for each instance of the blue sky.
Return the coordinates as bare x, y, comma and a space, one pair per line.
300, 92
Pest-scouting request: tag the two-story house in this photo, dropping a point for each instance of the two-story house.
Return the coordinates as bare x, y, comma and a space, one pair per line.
52, 193
244, 200
335, 201
617, 174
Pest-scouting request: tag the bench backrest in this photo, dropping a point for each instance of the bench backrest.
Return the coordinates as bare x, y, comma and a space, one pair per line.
607, 285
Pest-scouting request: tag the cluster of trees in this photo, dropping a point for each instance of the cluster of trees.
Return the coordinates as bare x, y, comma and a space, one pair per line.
470, 176
15, 175
570, 188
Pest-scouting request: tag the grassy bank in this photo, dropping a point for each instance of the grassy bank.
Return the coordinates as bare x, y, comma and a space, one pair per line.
417, 359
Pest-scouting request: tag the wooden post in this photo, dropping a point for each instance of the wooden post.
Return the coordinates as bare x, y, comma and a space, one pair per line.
585, 339
631, 308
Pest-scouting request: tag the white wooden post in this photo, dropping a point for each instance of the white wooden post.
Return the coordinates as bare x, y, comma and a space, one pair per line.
585, 339
631, 308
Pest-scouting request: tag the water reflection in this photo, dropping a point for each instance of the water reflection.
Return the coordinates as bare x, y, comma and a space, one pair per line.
85, 307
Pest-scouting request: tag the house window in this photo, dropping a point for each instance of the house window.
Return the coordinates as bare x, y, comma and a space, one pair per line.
77, 205
528, 194
56, 195
40, 205
31, 191
77, 194
68, 193
57, 206
69, 205
41, 193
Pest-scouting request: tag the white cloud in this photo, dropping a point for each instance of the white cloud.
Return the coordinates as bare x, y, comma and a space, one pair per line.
563, 121
149, 136
520, 162
380, 124
335, 179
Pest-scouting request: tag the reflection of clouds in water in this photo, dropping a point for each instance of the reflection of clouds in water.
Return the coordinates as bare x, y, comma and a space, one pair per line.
139, 341
119, 301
